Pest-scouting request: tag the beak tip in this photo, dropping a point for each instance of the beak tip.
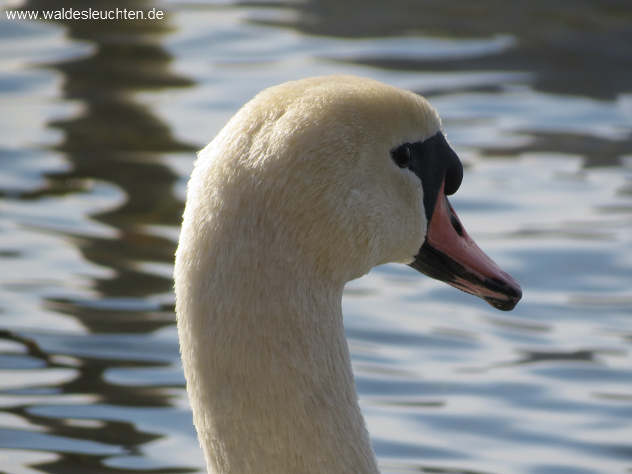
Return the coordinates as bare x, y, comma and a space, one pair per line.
508, 291
513, 295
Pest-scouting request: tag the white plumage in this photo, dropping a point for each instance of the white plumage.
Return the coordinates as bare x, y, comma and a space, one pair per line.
295, 196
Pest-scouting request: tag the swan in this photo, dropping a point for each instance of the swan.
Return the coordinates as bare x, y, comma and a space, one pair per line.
309, 185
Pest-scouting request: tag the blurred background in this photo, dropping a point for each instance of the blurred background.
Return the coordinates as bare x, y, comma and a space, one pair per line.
99, 124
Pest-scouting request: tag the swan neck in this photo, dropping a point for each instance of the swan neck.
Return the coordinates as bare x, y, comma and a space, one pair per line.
270, 380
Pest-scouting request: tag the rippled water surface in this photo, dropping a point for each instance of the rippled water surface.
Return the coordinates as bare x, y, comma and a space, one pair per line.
99, 123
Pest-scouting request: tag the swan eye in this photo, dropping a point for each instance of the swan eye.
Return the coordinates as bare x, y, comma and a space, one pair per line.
402, 155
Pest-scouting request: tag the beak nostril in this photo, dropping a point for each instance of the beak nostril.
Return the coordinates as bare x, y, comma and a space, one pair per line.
456, 224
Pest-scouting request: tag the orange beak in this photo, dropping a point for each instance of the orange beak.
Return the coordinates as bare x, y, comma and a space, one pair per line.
449, 254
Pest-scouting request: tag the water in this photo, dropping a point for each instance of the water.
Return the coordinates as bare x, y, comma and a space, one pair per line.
98, 127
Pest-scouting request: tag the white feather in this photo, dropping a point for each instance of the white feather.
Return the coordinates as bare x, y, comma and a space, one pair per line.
295, 196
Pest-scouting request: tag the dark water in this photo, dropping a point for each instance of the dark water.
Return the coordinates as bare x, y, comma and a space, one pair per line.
99, 122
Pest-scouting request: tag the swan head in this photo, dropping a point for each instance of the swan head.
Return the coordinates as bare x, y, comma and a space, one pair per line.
335, 175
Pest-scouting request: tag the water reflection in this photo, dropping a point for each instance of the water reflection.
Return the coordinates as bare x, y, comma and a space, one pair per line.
583, 49
596, 151
117, 140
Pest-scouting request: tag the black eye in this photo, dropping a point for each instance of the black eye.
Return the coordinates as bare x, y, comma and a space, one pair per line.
402, 155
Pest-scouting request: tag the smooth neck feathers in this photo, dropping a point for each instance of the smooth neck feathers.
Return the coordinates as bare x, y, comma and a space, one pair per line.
263, 348
269, 376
